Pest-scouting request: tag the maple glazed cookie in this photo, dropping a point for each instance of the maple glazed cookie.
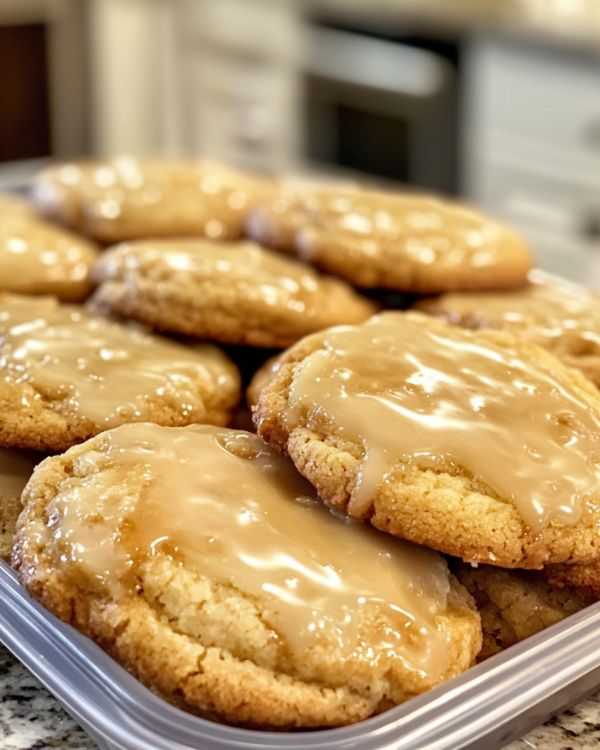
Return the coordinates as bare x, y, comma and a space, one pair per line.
15, 469
38, 258
227, 587
515, 604
407, 242
66, 375
237, 293
559, 315
13, 205
473, 443
126, 198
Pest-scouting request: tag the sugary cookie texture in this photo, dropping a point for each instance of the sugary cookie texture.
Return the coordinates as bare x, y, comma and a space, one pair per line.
515, 604
554, 313
408, 242
39, 258
237, 293
127, 198
260, 379
227, 588
473, 443
66, 375
584, 577
15, 469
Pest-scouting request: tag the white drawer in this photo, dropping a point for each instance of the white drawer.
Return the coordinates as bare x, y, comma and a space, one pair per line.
558, 206
548, 97
243, 133
247, 80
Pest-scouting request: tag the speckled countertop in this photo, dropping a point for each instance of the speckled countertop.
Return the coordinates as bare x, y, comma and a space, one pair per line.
31, 719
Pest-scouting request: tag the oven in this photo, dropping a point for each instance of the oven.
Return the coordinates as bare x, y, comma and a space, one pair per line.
387, 107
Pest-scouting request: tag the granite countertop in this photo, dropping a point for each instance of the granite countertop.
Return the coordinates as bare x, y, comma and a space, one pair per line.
31, 719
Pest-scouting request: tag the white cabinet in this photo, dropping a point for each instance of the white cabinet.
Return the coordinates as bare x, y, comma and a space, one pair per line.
532, 148
199, 77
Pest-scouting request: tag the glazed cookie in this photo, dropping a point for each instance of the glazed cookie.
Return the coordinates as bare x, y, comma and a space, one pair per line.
124, 198
236, 293
406, 242
515, 604
554, 313
66, 375
473, 443
15, 469
38, 258
11, 205
227, 588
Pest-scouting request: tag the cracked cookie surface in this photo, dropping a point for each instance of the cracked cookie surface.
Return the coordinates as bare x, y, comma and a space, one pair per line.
407, 242
228, 589
516, 604
458, 440
66, 375
236, 293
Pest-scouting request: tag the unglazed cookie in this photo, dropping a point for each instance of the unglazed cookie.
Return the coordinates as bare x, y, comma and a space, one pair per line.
473, 443
407, 242
66, 375
560, 316
38, 258
126, 198
261, 378
585, 577
515, 604
15, 469
228, 588
236, 293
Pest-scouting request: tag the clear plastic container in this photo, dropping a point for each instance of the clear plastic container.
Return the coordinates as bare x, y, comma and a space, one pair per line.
486, 707
483, 709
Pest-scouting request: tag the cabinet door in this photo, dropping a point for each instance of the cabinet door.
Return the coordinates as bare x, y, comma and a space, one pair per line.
547, 99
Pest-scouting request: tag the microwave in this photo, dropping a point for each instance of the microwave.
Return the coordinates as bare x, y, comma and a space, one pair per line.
381, 107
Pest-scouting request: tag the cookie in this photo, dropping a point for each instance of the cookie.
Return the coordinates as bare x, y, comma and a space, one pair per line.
66, 375
584, 577
476, 444
15, 469
39, 258
12, 205
554, 313
515, 604
406, 242
227, 588
235, 293
126, 198
261, 378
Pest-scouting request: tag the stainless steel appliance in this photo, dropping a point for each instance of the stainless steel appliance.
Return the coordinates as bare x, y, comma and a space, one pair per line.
386, 108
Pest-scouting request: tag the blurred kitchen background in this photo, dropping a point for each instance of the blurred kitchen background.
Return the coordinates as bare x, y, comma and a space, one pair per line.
495, 101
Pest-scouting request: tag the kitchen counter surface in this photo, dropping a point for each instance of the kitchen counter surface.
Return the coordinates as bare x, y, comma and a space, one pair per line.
31, 719
570, 23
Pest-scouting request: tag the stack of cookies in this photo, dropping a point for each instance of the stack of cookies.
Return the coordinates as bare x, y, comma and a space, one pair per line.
415, 490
